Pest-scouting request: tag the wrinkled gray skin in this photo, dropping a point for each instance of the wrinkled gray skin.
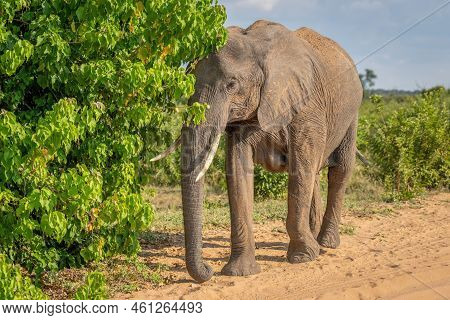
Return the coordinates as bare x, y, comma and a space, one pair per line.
289, 101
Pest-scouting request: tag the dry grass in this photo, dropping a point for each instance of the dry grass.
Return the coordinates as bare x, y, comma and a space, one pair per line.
123, 275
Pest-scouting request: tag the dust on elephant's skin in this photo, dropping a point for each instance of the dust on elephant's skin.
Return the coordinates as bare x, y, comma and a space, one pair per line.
289, 101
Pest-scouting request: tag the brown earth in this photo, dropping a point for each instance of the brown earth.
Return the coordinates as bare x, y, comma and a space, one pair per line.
401, 254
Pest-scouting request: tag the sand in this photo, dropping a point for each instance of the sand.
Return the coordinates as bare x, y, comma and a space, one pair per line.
404, 254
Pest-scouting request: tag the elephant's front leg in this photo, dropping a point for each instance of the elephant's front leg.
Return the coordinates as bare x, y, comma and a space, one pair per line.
305, 149
239, 168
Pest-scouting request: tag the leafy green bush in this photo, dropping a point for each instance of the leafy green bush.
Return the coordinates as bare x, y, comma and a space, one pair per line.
93, 289
14, 286
409, 148
269, 185
85, 88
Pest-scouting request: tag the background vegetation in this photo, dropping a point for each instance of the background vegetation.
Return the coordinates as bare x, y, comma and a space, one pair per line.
407, 143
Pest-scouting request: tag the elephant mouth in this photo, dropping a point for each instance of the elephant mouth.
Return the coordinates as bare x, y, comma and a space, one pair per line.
241, 115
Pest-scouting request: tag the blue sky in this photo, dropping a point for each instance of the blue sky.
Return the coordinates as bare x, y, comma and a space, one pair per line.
419, 59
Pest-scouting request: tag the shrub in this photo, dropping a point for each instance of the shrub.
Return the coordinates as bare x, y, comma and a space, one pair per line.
409, 149
267, 185
270, 185
14, 286
85, 87
93, 289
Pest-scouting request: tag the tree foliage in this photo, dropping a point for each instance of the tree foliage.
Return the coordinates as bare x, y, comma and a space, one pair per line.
15, 286
85, 87
367, 79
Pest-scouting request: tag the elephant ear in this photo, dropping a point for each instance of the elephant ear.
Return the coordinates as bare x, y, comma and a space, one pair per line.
289, 81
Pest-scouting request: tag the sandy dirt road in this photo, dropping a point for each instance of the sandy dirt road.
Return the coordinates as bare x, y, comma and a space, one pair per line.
404, 254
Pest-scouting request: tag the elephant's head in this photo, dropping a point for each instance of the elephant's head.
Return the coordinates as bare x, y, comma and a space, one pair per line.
264, 72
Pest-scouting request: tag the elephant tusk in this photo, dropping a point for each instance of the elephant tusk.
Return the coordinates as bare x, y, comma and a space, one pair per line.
209, 159
362, 158
169, 150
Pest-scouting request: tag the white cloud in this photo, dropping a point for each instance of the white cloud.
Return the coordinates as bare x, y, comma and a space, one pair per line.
265, 5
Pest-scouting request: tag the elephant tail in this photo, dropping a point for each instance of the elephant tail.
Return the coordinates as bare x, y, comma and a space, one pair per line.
362, 158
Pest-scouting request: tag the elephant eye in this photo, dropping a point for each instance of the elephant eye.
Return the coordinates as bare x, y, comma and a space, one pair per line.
232, 85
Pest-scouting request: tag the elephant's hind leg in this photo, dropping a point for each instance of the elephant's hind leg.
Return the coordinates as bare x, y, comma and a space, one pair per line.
239, 168
338, 176
316, 213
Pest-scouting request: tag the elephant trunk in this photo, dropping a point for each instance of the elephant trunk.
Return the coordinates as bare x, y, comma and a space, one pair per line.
198, 145
192, 196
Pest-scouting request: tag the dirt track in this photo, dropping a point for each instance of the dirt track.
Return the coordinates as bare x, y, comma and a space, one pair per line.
403, 255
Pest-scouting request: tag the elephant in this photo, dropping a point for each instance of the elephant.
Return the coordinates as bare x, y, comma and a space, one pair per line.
287, 100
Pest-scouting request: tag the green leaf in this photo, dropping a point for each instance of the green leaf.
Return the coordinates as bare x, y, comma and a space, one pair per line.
93, 289
54, 225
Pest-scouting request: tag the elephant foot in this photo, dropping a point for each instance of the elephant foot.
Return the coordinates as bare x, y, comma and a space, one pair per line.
329, 236
301, 252
241, 266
